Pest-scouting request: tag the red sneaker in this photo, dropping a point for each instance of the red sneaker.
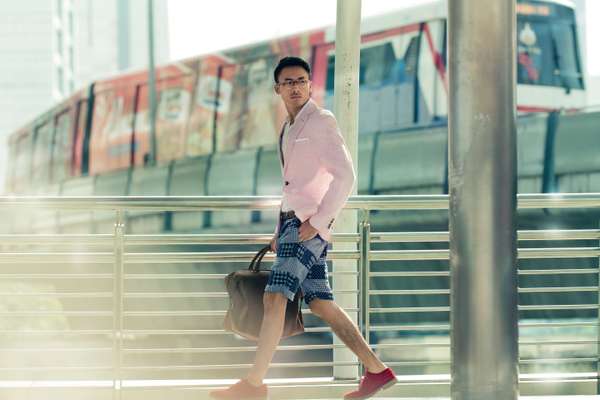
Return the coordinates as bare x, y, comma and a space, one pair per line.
243, 390
373, 383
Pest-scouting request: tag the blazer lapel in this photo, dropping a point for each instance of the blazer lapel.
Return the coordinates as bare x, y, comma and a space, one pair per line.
295, 131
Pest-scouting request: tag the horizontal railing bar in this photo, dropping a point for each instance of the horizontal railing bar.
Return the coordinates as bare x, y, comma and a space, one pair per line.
387, 328
205, 313
60, 294
55, 239
521, 343
558, 324
559, 234
235, 349
235, 366
446, 327
416, 363
177, 295
55, 313
383, 310
444, 237
61, 349
556, 342
523, 253
195, 257
408, 255
410, 292
58, 368
558, 271
409, 273
251, 238
198, 203
408, 237
166, 276
56, 276
570, 289
558, 360
238, 238
558, 307
57, 332
201, 331
57, 258
571, 252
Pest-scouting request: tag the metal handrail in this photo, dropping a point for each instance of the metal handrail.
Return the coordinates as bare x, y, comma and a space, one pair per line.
196, 203
117, 250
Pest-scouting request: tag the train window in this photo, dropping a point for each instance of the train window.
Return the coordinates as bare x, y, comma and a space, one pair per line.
171, 117
110, 146
61, 149
568, 62
22, 161
211, 104
376, 64
40, 172
547, 48
255, 112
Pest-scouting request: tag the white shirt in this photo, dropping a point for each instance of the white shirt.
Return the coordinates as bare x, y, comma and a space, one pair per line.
286, 130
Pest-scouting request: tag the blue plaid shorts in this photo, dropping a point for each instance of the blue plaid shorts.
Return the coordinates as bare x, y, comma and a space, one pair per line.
299, 265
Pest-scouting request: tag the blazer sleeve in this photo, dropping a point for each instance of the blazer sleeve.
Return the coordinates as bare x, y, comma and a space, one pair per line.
335, 158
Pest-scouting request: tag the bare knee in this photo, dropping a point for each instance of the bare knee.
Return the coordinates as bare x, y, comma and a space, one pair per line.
324, 309
274, 302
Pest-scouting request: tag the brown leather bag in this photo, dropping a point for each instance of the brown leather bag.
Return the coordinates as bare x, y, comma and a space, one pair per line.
245, 314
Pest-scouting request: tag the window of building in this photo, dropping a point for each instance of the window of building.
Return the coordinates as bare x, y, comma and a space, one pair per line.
60, 80
71, 59
59, 8
71, 24
59, 42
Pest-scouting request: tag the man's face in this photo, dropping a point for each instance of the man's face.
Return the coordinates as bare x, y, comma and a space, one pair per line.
293, 86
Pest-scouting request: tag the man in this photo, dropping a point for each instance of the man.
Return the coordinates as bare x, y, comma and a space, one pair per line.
318, 177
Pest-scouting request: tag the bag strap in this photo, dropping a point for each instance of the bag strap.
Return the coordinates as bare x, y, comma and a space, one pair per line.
255, 264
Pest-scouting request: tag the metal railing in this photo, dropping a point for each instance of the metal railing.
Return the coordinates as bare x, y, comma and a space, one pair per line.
147, 307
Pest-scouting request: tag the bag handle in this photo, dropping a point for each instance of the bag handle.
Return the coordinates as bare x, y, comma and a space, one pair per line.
255, 264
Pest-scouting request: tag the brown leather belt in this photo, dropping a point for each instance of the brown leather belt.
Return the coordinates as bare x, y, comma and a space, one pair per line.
286, 214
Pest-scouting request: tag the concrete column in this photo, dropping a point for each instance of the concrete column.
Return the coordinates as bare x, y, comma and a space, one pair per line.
347, 62
482, 177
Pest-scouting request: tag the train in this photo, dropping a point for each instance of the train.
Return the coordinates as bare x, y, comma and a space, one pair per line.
224, 102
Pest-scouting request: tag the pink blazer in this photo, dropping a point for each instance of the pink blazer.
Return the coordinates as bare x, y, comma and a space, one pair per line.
318, 174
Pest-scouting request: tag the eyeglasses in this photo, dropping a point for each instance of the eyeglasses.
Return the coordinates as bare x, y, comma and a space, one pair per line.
291, 83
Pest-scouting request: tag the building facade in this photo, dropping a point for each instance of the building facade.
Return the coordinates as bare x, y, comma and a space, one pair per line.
50, 48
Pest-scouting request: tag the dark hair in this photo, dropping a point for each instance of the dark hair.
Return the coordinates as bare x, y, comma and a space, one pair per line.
290, 62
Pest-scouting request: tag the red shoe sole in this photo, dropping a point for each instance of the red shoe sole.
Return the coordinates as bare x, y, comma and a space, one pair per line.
384, 387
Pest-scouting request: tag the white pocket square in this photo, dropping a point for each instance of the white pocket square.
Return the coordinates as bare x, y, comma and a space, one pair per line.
302, 140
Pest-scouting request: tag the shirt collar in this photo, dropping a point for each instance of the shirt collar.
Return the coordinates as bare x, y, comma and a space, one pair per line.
301, 112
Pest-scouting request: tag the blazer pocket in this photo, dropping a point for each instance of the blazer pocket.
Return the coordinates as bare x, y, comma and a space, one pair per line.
302, 140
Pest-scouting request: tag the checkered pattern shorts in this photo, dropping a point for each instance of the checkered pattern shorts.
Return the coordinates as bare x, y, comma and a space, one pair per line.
299, 265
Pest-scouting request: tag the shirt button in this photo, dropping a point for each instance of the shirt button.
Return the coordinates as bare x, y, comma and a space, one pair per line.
286, 183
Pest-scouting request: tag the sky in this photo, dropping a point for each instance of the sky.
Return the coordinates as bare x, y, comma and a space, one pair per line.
196, 28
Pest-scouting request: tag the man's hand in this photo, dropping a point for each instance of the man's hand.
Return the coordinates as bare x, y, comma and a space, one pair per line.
306, 231
274, 244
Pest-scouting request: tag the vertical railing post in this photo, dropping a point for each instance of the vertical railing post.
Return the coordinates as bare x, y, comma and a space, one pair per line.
598, 332
118, 304
347, 54
365, 276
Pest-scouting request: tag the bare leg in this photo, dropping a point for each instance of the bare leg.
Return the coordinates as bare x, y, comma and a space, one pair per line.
270, 335
348, 332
